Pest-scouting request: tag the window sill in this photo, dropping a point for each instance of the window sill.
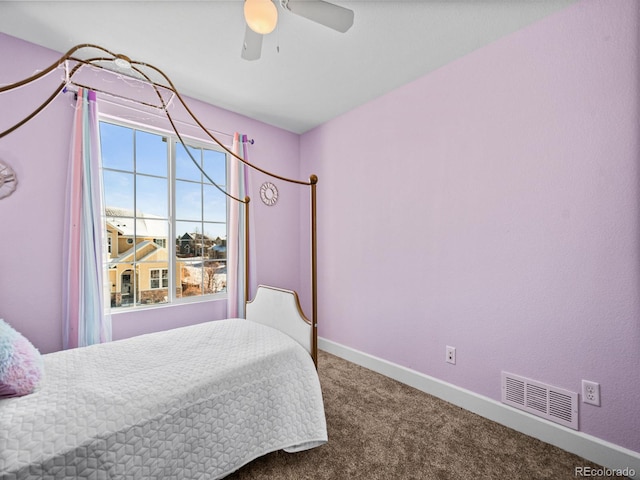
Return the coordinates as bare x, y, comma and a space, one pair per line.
180, 303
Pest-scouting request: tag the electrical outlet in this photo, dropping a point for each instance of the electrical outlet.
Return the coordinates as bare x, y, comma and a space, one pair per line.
450, 355
591, 392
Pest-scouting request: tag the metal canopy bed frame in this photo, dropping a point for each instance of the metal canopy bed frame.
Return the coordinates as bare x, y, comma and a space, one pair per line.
72, 63
244, 388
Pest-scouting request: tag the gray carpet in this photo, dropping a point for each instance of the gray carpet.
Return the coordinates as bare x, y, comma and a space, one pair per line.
381, 429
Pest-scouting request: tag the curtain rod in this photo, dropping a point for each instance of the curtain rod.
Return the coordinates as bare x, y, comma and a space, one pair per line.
66, 89
193, 125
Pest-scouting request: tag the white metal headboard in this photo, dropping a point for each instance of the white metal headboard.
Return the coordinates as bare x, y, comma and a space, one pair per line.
280, 309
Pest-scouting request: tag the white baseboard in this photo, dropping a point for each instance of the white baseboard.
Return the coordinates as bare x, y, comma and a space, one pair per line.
599, 451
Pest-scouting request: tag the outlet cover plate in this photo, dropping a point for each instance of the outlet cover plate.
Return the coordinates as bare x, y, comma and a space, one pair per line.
450, 355
591, 392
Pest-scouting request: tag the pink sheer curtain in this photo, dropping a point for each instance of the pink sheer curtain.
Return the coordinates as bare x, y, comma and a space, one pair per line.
236, 258
86, 318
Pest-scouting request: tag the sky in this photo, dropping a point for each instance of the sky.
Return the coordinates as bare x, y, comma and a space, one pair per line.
139, 161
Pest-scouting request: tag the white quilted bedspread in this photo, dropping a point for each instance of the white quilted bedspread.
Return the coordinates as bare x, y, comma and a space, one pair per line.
191, 403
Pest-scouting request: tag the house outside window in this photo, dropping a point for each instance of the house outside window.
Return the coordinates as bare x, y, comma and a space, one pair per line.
149, 179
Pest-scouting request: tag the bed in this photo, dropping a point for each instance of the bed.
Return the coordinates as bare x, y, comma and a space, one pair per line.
191, 403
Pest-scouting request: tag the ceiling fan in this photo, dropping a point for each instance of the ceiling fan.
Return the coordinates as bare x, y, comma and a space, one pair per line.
262, 15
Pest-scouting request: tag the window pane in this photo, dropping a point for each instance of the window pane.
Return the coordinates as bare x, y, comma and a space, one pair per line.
151, 154
189, 248
214, 204
151, 196
154, 233
216, 231
152, 288
189, 272
214, 164
123, 284
122, 228
188, 200
185, 168
116, 146
118, 190
189, 236
214, 276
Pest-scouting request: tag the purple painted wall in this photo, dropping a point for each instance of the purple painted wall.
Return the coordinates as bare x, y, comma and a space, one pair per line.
493, 206
31, 220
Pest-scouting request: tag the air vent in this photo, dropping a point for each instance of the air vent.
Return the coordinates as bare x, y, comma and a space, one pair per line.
553, 403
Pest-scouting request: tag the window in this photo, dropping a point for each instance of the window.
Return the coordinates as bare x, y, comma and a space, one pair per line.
149, 179
159, 278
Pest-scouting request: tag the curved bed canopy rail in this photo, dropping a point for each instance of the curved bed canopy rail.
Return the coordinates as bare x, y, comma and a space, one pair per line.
134, 67
125, 62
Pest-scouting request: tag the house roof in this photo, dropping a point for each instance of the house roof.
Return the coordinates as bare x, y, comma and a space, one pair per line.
128, 256
142, 225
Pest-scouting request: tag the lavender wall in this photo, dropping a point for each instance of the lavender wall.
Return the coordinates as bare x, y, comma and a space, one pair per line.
493, 206
31, 220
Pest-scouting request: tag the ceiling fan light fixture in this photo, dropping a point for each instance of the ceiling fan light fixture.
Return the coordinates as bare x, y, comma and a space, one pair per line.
261, 15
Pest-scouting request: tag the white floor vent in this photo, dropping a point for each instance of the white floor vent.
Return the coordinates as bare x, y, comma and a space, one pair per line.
554, 404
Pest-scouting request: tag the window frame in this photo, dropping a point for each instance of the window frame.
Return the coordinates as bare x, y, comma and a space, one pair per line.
172, 141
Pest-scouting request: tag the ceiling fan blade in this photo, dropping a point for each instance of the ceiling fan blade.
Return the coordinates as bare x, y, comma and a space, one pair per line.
252, 45
324, 13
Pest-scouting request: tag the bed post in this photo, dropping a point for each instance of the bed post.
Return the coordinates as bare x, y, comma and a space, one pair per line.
246, 251
313, 180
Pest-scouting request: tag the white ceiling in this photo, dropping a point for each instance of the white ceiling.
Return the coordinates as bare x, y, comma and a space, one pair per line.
317, 74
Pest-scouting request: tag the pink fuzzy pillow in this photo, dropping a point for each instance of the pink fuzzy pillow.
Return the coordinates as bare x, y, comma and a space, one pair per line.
21, 366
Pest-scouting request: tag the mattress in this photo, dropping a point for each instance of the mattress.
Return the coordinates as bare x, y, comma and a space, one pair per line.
191, 403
